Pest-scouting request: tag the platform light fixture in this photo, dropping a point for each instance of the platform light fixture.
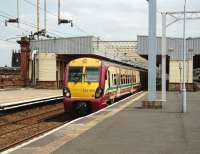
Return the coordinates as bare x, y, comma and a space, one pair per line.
184, 101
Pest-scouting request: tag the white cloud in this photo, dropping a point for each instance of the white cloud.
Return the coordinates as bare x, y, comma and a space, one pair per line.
110, 19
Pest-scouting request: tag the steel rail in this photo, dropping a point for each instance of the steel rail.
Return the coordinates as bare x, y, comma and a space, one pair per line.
28, 103
43, 128
25, 119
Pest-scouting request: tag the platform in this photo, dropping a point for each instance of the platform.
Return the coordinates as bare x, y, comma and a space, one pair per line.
125, 128
16, 96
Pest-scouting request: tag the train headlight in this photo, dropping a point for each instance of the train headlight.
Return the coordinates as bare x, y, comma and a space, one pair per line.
66, 92
98, 93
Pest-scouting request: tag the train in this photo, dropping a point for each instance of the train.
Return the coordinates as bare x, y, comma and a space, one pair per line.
91, 84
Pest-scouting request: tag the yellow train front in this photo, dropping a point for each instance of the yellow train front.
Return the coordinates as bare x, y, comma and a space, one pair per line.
90, 84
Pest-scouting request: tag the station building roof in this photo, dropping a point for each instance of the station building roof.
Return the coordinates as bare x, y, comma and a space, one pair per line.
174, 47
122, 51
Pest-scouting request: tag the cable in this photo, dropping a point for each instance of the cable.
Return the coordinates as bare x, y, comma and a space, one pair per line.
32, 4
80, 29
16, 26
31, 24
76, 26
25, 23
8, 41
22, 29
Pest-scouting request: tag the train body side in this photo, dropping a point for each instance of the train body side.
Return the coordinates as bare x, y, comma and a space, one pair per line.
121, 81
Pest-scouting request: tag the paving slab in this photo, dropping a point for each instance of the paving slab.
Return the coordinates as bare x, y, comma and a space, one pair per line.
26, 94
128, 129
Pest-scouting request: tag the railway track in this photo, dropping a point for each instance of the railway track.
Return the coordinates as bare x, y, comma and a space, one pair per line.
20, 126
23, 125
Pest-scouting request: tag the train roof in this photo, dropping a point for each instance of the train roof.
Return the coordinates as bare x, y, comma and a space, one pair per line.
110, 62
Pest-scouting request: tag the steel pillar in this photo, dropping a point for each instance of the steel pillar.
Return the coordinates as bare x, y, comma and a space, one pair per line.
184, 101
164, 51
152, 49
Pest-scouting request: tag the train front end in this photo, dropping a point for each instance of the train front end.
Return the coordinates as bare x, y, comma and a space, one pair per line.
84, 86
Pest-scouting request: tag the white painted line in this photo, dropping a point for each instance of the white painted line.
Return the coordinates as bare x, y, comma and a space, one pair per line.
29, 100
26, 103
56, 129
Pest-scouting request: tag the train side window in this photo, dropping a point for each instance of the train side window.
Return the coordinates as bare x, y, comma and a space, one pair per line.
128, 78
121, 79
112, 80
115, 79
108, 76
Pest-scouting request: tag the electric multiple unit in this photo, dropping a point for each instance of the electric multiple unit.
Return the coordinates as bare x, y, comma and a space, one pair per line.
91, 84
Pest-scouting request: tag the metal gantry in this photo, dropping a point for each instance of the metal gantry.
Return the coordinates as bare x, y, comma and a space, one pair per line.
177, 16
63, 21
14, 20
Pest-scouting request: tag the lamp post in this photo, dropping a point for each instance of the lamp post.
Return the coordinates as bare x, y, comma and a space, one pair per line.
192, 15
184, 101
164, 52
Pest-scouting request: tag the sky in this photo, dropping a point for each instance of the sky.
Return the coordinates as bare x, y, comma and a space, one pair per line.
107, 19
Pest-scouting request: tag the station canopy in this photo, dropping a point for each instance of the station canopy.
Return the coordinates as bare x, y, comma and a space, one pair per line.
174, 47
121, 51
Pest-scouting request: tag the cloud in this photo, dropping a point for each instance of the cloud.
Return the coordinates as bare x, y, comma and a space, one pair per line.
109, 19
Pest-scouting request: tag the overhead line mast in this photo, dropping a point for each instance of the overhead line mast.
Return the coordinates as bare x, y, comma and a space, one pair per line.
18, 12
38, 15
45, 15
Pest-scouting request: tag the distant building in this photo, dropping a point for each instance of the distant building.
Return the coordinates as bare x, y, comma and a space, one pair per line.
174, 59
16, 59
44, 61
